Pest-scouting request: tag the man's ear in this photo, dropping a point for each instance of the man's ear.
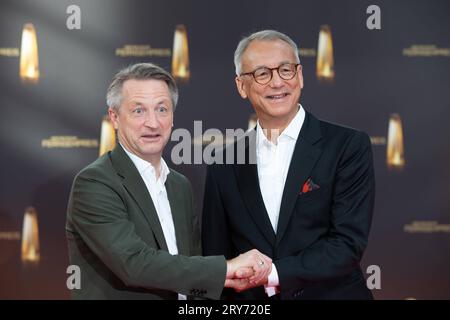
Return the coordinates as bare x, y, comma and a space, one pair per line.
240, 87
113, 116
300, 76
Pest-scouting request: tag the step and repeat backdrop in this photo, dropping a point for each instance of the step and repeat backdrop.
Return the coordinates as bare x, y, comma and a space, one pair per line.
379, 66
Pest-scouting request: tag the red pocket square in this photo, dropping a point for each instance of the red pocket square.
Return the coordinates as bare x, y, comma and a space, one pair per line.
309, 186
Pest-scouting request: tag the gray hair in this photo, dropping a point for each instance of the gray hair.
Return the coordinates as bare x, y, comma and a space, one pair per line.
264, 35
139, 71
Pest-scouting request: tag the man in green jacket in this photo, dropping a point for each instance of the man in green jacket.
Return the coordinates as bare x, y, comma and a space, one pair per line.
131, 224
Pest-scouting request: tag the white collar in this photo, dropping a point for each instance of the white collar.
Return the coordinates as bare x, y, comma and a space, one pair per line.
292, 130
143, 166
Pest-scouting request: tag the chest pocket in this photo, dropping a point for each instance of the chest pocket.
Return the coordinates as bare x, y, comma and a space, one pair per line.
314, 207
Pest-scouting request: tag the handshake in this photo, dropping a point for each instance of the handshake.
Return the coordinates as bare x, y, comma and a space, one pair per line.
248, 270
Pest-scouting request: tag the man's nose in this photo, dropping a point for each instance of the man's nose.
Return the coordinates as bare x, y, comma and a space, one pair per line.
151, 120
276, 80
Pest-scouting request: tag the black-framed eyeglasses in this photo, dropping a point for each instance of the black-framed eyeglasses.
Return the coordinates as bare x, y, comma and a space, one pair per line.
263, 75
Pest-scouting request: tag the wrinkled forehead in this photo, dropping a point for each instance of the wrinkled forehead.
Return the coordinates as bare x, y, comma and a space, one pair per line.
145, 89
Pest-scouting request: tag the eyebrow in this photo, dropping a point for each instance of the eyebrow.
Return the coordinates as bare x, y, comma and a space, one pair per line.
156, 101
136, 102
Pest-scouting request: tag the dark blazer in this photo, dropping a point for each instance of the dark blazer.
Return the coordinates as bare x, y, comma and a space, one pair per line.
115, 237
321, 234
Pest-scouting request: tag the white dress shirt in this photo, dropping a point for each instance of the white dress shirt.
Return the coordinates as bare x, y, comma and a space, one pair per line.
273, 162
157, 189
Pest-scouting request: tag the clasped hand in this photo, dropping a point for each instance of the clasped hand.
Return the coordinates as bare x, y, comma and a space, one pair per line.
248, 270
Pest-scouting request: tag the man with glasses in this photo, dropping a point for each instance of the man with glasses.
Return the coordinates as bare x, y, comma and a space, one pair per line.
304, 193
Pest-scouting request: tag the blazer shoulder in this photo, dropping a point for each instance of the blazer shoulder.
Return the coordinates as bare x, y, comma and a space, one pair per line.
342, 133
101, 170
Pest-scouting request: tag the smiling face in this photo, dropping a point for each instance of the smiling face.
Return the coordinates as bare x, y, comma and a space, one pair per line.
145, 117
275, 103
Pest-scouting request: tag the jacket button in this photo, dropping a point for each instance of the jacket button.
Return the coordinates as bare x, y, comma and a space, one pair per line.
298, 293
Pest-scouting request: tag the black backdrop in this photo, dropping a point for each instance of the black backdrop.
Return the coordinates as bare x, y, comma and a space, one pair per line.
374, 79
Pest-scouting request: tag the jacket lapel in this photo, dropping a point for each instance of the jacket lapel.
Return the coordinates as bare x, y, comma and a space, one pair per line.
133, 182
248, 183
176, 201
305, 156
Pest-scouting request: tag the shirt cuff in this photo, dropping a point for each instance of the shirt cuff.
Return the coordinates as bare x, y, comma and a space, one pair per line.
272, 282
